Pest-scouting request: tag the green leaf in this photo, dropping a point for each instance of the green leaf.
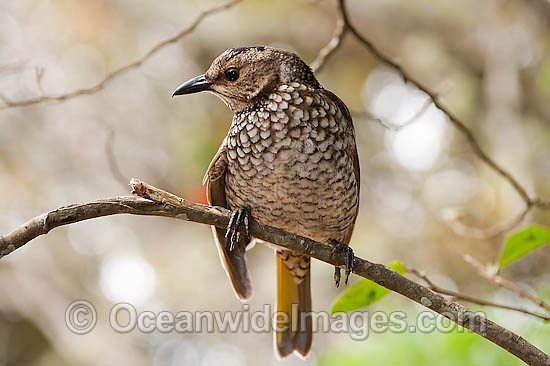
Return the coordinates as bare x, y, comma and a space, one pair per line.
522, 242
398, 267
364, 293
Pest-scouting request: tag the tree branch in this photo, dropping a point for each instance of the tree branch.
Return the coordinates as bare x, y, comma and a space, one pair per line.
504, 283
155, 202
486, 233
331, 46
530, 202
99, 86
474, 300
390, 126
111, 159
461, 126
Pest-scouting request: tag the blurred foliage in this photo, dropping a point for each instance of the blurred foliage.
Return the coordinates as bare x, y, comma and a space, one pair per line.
456, 348
364, 292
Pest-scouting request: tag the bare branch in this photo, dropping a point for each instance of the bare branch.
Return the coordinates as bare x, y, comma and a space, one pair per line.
498, 280
537, 202
460, 296
39, 74
111, 158
331, 46
461, 126
155, 202
99, 86
391, 126
488, 233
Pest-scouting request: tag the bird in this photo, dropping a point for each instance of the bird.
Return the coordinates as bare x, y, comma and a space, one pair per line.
289, 160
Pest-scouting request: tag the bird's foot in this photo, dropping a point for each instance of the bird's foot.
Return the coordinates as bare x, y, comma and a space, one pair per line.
240, 216
337, 276
348, 252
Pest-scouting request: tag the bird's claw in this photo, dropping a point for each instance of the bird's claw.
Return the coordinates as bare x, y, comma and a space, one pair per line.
348, 252
240, 216
337, 276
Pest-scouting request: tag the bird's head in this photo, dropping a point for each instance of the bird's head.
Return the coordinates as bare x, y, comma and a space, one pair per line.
242, 76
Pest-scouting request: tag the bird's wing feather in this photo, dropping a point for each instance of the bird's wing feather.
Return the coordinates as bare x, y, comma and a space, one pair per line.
352, 151
234, 262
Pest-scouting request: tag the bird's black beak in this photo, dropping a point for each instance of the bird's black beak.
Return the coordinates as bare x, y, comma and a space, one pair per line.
194, 85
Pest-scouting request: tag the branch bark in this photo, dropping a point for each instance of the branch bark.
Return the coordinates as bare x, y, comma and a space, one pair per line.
155, 202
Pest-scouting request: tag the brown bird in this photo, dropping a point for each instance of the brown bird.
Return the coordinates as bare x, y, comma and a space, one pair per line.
289, 161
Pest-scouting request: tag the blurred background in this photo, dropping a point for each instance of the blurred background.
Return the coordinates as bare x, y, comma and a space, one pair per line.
424, 192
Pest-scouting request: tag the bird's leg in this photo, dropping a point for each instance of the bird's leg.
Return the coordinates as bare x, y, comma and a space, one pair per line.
339, 247
240, 216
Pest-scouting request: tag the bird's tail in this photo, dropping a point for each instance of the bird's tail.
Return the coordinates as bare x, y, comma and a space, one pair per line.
293, 331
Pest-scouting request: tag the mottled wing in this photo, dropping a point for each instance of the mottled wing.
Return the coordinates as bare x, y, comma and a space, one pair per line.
352, 151
234, 262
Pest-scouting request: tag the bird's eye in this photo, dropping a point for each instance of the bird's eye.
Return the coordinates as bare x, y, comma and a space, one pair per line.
232, 74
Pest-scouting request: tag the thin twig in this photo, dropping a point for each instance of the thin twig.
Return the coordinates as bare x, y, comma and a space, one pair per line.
498, 280
471, 299
99, 86
461, 126
537, 202
155, 202
392, 126
487, 233
331, 46
112, 160
39, 74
